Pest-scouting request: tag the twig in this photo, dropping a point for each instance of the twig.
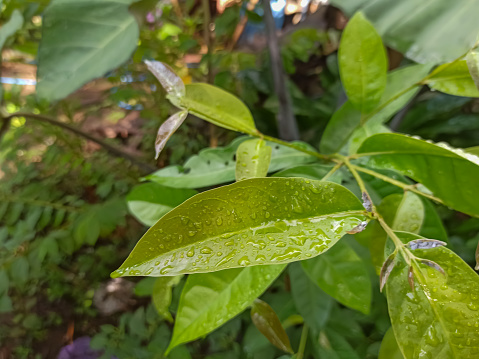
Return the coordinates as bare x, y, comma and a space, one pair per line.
111, 149
302, 342
287, 127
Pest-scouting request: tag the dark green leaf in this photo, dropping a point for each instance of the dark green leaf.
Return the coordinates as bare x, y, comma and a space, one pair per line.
82, 40
252, 159
343, 275
267, 322
389, 347
210, 300
252, 222
311, 302
434, 32
219, 107
213, 166
4, 282
331, 345
441, 316
449, 173
149, 202
362, 63
454, 79
5, 304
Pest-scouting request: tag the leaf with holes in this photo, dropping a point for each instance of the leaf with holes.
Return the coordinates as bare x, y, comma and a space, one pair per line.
447, 172
252, 222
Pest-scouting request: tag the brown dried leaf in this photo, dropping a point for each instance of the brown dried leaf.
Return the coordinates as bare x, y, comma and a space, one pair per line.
170, 81
367, 203
425, 244
433, 265
167, 128
410, 278
386, 270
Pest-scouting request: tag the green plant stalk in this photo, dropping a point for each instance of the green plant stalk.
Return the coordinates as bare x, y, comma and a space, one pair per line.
333, 170
302, 342
293, 146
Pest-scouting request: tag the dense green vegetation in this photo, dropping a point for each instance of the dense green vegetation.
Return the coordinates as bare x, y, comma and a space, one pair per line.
355, 240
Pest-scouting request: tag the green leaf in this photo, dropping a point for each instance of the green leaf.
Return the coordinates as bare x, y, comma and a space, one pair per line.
167, 129
219, 107
4, 282
331, 345
389, 347
8, 29
346, 121
472, 60
162, 295
449, 173
252, 159
454, 79
343, 275
268, 323
19, 271
82, 40
441, 315
363, 63
210, 300
410, 214
5, 304
149, 202
438, 31
315, 172
252, 222
213, 166
311, 302
144, 287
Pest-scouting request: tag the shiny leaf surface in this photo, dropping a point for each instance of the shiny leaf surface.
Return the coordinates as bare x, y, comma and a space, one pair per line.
449, 173
346, 121
252, 159
170, 81
453, 79
149, 202
362, 63
268, 323
252, 222
472, 60
210, 300
161, 295
441, 316
219, 107
343, 275
213, 166
167, 129
82, 40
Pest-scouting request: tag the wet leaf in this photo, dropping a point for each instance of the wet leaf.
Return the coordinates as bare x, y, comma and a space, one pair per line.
386, 269
359, 228
410, 277
252, 222
472, 60
434, 265
268, 323
213, 166
167, 129
210, 300
453, 79
161, 295
252, 159
362, 63
311, 302
342, 274
345, 124
425, 244
477, 257
171, 82
441, 316
447, 172
219, 107
148, 202
389, 347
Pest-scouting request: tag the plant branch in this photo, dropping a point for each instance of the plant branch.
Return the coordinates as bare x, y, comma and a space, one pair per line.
111, 149
397, 183
333, 170
302, 342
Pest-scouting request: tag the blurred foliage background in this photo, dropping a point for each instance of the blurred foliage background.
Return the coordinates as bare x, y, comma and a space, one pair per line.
64, 223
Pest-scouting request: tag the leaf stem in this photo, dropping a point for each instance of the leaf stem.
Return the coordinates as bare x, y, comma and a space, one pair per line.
302, 342
397, 183
333, 170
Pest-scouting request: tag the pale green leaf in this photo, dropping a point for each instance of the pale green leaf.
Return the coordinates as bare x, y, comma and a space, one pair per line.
161, 295
210, 300
436, 31
311, 302
343, 275
389, 347
219, 107
441, 316
448, 173
148, 202
363, 63
10, 27
82, 40
213, 166
472, 60
347, 120
251, 222
268, 323
252, 159
453, 79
